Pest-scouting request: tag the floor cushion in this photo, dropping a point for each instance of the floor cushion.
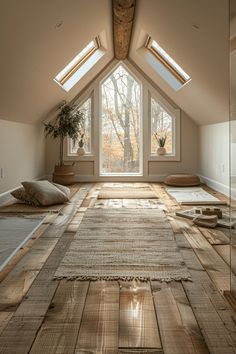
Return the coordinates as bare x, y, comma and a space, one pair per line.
45, 192
63, 189
182, 180
23, 196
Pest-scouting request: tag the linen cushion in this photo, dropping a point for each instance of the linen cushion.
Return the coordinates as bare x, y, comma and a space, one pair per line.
63, 189
182, 180
45, 192
23, 196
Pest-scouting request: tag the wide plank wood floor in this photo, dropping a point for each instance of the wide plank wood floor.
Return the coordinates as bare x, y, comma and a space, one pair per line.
41, 315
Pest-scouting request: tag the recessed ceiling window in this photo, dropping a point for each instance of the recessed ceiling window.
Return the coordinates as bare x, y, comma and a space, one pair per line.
166, 65
80, 65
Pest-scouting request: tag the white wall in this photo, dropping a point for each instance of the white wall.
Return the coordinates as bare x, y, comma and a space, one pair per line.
34, 50
214, 155
22, 153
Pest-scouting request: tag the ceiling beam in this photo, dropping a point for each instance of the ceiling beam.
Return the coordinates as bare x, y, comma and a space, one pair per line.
233, 44
123, 16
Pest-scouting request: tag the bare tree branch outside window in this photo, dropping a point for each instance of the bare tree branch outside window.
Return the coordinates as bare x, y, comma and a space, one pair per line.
120, 123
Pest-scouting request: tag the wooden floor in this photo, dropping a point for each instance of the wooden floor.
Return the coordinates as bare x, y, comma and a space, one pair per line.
41, 315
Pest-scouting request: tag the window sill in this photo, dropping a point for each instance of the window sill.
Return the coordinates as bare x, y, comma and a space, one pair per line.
122, 174
75, 157
167, 158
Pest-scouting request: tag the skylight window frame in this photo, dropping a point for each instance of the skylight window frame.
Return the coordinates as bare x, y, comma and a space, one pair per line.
167, 65
67, 76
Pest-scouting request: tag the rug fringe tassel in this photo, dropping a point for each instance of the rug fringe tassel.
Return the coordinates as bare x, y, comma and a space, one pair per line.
125, 278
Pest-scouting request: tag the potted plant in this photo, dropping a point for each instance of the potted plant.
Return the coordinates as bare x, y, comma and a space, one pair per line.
67, 124
81, 150
161, 140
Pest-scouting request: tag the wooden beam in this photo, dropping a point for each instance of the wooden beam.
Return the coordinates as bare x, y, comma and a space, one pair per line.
123, 16
233, 44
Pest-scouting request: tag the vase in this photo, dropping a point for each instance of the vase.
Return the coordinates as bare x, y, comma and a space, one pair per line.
161, 151
81, 151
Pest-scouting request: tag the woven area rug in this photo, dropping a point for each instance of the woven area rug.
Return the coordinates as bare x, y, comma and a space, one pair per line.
193, 196
127, 193
125, 244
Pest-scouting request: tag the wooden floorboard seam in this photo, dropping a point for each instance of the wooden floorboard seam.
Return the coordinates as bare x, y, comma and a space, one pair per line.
76, 342
198, 306
21, 310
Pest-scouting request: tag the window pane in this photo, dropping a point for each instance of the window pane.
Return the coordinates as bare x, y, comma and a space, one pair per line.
86, 128
162, 124
80, 65
169, 60
120, 124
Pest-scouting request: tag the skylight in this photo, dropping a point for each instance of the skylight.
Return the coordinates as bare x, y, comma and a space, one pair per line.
80, 65
169, 63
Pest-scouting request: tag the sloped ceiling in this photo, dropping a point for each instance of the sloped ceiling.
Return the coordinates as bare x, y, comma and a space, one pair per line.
37, 39
195, 34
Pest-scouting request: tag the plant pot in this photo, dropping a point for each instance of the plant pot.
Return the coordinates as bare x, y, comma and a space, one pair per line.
161, 151
81, 151
64, 174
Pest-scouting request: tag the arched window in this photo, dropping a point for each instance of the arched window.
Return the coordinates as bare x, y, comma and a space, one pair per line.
121, 136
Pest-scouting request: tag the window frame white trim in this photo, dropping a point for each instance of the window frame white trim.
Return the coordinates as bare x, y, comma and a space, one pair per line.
141, 156
175, 114
88, 156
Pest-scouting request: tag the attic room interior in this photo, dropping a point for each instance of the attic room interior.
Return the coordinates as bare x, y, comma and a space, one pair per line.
118, 176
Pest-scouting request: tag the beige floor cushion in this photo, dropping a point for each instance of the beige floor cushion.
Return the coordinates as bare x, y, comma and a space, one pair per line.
45, 192
63, 189
23, 196
182, 180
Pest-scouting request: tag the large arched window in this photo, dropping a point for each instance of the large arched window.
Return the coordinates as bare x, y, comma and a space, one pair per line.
121, 135
123, 113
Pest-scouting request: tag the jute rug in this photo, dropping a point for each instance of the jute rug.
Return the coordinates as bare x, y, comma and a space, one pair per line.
127, 193
124, 244
129, 203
